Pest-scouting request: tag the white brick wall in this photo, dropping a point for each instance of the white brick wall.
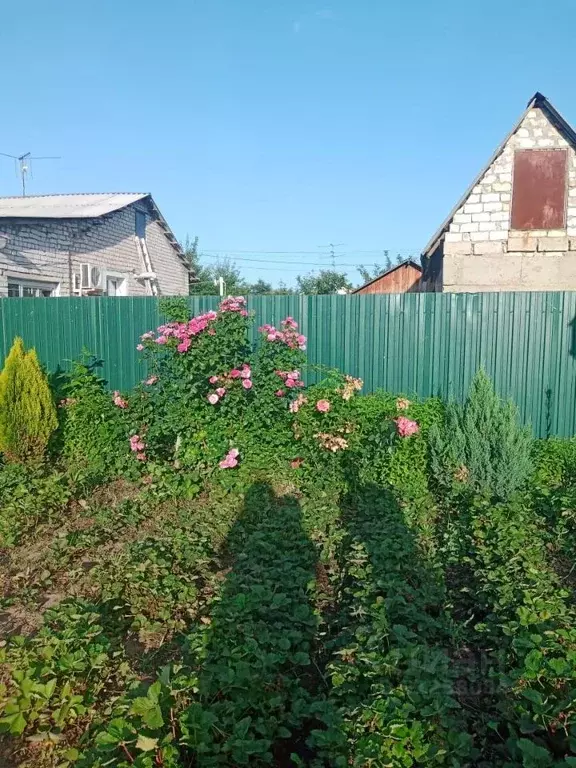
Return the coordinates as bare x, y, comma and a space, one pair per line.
40, 249
481, 227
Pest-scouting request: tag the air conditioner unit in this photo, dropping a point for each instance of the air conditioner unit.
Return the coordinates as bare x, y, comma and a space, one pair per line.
90, 277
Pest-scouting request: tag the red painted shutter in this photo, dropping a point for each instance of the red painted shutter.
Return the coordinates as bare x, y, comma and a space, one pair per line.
539, 189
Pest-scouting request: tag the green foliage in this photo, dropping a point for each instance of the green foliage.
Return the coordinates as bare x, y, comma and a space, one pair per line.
53, 678
28, 497
482, 443
326, 281
94, 431
514, 607
176, 309
392, 681
27, 411
186, 612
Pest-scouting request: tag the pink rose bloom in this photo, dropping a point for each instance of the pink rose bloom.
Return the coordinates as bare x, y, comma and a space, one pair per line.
406, 427
235, 373
161, 340
246, 372
290, 383
213, 379
323, 406
220, 391
213, 398
230, 460
280, 393
119, 401
141, 456
294, 406
184, 346
301, 339
140, 347
247, 383
271, 337
151, 380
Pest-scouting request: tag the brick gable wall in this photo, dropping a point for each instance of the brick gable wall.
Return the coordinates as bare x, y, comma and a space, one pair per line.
482, 253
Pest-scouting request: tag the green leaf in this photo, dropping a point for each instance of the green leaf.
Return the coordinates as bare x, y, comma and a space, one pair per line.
14, 724
146, 744
534, 756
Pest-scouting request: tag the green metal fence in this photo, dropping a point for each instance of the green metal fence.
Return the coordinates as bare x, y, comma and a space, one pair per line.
412, 343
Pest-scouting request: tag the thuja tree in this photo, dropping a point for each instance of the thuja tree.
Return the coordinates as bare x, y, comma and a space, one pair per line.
482, 443
27, 411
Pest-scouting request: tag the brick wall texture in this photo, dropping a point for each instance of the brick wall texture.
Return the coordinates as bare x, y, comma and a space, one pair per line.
482, 252
41, 249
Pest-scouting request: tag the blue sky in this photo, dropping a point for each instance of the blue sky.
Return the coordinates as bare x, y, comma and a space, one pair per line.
277, 125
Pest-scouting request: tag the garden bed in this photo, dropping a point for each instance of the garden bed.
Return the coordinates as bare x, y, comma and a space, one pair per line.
227, 567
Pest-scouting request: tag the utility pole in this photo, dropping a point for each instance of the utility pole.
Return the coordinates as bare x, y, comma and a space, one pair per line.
332, 252
219, 282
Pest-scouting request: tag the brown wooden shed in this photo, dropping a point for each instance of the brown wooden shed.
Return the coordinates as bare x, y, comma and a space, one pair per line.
403, 278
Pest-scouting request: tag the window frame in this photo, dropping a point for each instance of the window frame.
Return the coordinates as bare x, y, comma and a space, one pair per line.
138, 214
36, 285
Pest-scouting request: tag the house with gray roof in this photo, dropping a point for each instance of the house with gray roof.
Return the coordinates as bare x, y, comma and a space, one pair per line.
514, 229
115, 244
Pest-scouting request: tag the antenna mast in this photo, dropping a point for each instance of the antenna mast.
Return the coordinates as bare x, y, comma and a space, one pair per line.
23, 165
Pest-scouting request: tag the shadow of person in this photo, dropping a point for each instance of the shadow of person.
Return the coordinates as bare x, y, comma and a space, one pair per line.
256, 680
395, 678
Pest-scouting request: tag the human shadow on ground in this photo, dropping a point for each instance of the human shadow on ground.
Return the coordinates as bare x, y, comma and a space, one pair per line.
257, 683
396, 678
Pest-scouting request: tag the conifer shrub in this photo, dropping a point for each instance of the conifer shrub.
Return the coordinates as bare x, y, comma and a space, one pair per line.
27, 411
481, 443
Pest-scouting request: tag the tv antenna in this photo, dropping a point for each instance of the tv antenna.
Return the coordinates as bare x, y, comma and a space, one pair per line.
23, 166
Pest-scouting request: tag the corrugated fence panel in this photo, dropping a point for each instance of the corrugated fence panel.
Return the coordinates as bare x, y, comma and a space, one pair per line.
426, 344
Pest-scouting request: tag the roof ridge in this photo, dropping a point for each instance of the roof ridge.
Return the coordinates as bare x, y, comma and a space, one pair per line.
68, 194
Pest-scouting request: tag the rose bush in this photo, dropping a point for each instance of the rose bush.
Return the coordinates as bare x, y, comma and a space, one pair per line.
213, 402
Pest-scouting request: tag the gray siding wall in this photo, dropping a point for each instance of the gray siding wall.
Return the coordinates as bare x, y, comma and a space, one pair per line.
41, 249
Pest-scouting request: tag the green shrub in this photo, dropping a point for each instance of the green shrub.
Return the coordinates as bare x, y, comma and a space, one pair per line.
481, 443
94, 430
27, 411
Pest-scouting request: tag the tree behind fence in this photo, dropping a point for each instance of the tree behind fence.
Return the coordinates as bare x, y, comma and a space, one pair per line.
425, 344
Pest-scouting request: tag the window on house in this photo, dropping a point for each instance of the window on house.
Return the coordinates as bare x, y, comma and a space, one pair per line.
140, 224
539, 189
27, 289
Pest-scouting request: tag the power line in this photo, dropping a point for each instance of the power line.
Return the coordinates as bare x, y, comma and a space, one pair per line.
332, 253
378, 251
289, 264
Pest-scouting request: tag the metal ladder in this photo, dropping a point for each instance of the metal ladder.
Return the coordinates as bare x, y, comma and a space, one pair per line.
151, 279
